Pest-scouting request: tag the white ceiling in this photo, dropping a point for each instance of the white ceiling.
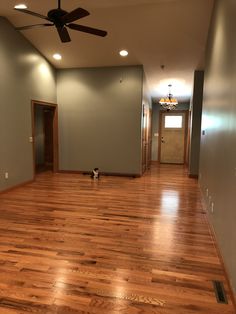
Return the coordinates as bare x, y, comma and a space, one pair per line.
155, 32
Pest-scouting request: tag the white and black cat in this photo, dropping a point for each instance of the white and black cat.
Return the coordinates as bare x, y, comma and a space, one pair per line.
95, 173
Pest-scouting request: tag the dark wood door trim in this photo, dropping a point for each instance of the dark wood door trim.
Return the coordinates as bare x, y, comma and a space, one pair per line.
54, 107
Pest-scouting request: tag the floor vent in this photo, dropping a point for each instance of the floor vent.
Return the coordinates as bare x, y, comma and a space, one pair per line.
220, 292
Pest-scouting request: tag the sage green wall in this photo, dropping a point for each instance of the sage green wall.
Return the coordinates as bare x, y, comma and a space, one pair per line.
147, 100
155, 130
100, 119
24, 75
195, 128
218, 145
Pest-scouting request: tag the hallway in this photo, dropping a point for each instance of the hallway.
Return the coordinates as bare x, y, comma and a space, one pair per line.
69, 244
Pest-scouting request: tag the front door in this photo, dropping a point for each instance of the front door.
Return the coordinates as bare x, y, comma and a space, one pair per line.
173, 127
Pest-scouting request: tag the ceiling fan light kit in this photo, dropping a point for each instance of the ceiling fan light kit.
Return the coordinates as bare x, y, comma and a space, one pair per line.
62, 19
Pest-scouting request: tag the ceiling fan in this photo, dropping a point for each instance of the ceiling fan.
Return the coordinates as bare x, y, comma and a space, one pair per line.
61, 20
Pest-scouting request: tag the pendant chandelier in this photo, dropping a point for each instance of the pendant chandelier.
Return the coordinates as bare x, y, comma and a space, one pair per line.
169, 103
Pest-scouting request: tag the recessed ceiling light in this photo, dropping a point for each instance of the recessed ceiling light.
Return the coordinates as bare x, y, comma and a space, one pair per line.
20, 6
124, 53
57, 56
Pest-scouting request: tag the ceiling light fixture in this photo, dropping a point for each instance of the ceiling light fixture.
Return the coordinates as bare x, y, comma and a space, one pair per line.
124, 53
169, 103
57, 56
20, 6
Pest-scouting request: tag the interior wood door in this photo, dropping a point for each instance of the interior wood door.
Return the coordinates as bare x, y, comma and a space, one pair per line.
173, 126
146, 138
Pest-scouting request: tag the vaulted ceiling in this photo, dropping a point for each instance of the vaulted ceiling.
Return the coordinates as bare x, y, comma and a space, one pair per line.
172, 33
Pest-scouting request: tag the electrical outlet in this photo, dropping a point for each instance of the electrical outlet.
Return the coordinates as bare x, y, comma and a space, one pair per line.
212, 207
209, 203
209, 198
6, 175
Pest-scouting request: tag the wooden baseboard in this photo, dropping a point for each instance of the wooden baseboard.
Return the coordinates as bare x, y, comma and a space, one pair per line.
135, 175
16, 186
213, 233
194, 176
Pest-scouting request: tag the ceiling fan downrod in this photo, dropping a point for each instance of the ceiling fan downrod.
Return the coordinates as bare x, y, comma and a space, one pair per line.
59, 4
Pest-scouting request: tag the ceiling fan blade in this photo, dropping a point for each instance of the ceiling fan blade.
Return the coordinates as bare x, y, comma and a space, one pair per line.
64, 35
86, 29
32, 13
33, 26
74, 15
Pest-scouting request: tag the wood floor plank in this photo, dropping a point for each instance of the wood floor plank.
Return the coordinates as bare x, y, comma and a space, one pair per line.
69, 244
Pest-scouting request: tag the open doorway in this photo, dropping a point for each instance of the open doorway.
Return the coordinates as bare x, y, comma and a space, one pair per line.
45, 136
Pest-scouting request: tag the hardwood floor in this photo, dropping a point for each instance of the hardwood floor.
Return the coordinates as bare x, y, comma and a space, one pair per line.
69, 244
